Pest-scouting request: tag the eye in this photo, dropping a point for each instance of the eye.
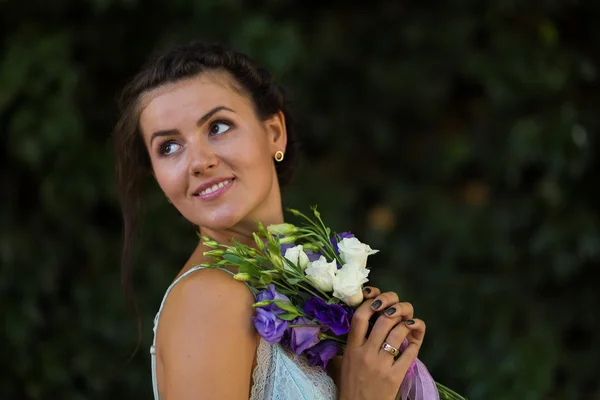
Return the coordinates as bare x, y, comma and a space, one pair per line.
168, 147
220, 127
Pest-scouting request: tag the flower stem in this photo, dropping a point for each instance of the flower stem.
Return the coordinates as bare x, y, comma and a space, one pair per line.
323, 296
335, 339
327, 247
304, 325
310, 221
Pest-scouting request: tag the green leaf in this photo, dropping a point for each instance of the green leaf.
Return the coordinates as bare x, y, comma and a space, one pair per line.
234, 259
294, 281
287, 316
286, 306
274, 248
265, 279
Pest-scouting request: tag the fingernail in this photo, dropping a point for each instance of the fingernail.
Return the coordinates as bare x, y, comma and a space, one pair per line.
376, 304
390, 311
367, 290
409, 321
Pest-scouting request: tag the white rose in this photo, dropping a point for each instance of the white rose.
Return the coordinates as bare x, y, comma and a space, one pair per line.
347, 284
297, 256
352, 251
321, 273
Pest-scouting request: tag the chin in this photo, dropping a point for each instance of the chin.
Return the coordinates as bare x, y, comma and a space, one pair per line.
218, 220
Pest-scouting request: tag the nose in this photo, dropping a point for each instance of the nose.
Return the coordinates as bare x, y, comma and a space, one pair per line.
202, 159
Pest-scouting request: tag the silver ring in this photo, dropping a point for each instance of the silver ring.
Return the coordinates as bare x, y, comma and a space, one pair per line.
390, 349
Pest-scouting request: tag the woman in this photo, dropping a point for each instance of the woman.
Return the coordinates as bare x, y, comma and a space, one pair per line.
214, 131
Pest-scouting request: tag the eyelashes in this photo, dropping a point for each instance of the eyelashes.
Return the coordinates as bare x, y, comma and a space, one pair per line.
168, 147
217, 124
165, 147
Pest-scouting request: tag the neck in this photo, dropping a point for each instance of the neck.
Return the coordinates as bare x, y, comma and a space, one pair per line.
271, 212
242, 232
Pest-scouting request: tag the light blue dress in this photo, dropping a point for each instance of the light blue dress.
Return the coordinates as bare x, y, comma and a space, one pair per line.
279, 374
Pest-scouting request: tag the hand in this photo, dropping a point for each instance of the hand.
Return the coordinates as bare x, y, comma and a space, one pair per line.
368, 371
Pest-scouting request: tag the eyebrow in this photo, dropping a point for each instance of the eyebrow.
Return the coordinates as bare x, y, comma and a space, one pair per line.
199, 123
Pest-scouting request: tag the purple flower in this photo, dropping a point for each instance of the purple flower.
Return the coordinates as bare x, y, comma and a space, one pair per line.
322, 352
286, 246
313, 256
332, 315
339, 237
349, 311
285, 339
271, 294
269, 326
303, 337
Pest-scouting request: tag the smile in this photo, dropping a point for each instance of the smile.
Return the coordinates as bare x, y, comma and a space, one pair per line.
215, 190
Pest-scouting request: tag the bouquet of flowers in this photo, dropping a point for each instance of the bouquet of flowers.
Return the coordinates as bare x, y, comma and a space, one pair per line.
308, 281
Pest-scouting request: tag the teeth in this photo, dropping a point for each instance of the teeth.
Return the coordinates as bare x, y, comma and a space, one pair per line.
214, 187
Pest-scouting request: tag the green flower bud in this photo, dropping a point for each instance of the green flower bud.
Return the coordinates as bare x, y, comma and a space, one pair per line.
252, 252
317, 214
287, 239
211, 243
282, 229
261, 229
262, 303
214, 253
259, 243
242, 277
316, 246
295, 212
276, 260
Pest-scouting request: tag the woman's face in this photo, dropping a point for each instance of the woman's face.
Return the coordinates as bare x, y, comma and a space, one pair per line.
210, 154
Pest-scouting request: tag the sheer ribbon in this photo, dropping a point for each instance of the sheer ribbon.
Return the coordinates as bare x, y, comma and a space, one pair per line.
418, 383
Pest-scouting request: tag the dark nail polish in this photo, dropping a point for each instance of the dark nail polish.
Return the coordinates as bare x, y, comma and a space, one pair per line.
376, 304
409, 321
367, 290
390, 311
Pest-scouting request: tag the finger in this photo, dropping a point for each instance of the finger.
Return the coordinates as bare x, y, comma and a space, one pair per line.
416, 333
404, 362
370, 292
359, 325
396, 336
384, 300
393, 314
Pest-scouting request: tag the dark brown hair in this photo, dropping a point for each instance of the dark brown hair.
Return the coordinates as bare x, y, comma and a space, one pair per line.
179, 63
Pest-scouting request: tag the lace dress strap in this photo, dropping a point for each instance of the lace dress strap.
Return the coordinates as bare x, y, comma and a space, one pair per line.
153, 347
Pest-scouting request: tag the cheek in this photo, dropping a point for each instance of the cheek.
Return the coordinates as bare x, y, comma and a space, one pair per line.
252, 155
170, 178
256, 166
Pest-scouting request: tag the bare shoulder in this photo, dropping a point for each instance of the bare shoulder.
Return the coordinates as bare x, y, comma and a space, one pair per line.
205, 337
211, 286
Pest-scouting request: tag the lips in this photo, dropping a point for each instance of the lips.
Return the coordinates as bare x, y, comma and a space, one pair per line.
213, 186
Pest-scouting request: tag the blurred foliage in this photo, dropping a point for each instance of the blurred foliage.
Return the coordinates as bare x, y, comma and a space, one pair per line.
460, 139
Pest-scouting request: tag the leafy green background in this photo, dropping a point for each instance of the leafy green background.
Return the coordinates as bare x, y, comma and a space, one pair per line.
461, 139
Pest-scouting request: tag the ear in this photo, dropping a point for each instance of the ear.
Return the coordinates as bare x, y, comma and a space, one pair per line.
276, 132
